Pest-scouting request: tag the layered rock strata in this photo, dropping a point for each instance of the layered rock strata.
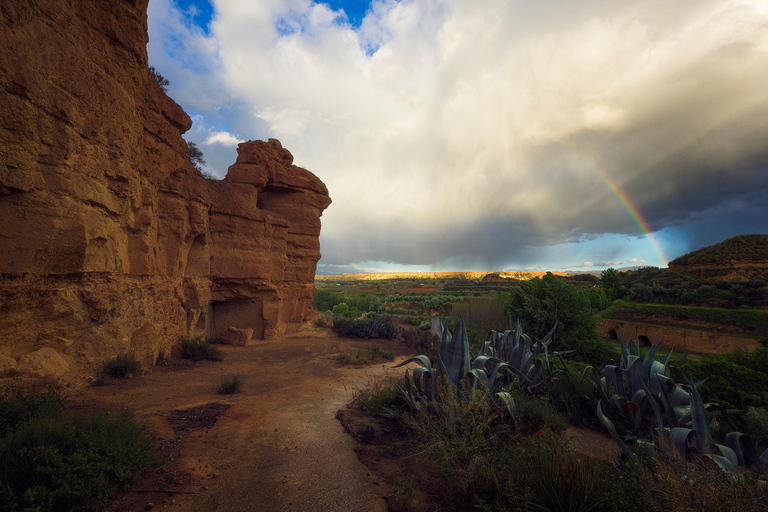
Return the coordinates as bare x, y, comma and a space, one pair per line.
110, 241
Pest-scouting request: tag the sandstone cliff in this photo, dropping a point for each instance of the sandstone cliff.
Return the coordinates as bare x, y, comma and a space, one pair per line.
110, 241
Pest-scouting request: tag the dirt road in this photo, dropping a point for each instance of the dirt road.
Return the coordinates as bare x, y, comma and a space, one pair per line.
277, 447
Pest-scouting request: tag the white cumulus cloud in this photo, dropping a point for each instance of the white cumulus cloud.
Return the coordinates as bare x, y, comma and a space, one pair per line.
223, 138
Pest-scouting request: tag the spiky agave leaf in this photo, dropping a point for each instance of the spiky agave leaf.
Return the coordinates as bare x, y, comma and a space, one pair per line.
424, 360
454, 353
745, 450
608, 424
699, 419
509, 404
437, 327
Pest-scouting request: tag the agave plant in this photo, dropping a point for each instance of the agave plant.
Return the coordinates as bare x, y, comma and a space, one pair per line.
453, 363
505, 358
640, 403
513, 354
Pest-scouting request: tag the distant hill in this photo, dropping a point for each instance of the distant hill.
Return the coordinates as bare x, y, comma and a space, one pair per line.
470, 276
739, 258
739, 250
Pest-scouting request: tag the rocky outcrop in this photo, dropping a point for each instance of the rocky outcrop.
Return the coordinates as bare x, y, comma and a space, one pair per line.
110, 240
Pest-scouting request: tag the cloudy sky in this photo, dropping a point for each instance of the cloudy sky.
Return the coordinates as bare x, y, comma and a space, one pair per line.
490, 134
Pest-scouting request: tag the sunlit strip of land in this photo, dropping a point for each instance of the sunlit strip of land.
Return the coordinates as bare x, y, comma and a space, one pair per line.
469, 276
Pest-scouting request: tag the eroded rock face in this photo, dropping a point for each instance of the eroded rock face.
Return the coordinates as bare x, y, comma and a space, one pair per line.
110, 241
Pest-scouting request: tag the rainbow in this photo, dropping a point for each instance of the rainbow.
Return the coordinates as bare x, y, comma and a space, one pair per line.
625, 201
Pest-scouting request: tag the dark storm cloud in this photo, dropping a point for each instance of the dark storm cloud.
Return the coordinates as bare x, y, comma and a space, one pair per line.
472, 134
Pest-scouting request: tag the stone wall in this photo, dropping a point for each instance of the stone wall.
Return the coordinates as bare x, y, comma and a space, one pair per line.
110, 241
705, 342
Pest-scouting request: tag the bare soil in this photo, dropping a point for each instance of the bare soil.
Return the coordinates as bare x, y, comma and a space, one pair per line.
274, 446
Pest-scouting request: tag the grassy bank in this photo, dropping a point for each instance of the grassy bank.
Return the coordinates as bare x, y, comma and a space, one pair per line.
751, 321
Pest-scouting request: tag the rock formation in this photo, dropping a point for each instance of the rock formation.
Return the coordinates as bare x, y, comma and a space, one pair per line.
110, 241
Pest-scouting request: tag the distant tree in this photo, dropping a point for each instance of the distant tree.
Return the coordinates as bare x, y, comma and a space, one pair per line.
160, 79
196, 157
539, 303
613, 284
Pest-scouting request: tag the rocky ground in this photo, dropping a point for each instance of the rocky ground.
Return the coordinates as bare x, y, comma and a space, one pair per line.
274, 446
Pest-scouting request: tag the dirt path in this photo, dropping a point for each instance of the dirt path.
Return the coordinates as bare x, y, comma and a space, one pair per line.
277, 447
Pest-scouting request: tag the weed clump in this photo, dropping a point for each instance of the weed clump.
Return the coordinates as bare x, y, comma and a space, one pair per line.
365, 356
231, 384
122, 366
374, 326
197, 349
377, 397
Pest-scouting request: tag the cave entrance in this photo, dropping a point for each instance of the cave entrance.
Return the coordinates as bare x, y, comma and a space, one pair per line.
644, 341
243, 314
613, 335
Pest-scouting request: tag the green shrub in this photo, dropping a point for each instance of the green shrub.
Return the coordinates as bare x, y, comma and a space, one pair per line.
54, 462
594, 350
122, 365
535, 412
231, 384
18, 406
539, 303
572, 395
729, 384
756, 425
196, 349
374, 326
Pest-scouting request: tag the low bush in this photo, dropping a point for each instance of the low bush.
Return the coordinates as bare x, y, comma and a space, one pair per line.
18, 406
49, 461
122, 365
197, 349
756, 425
365, 356
423, 341
101, 379
558, 479
487, 464
373, 326
231, 384
377, 397
594, 350
668, 482
729, 384
572, 394
535, 412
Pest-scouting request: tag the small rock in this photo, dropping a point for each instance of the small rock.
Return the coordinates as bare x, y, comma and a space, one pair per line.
238, 337
8, 366
45, 362
149, 506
